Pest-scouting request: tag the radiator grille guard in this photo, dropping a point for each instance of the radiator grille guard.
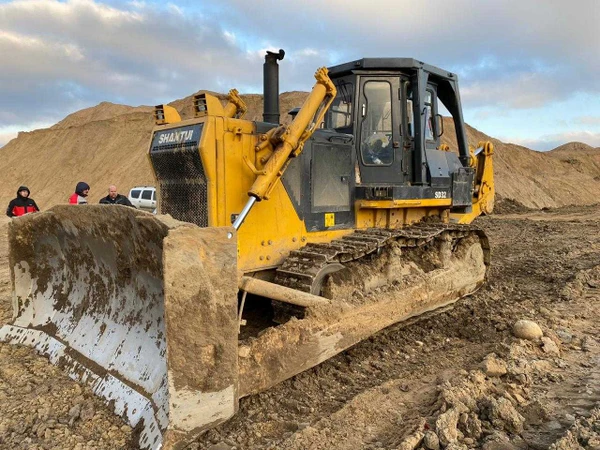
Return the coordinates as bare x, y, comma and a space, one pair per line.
180, 174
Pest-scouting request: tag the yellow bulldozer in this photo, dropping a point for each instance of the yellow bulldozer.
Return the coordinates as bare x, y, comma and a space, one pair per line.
275, 247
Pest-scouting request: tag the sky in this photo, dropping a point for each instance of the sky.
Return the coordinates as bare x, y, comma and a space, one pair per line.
529, 70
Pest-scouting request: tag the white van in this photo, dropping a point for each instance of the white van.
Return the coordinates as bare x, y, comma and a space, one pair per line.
143, 197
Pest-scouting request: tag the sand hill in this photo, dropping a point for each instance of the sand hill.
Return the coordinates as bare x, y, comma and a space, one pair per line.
108, 143
583, 158
568, 175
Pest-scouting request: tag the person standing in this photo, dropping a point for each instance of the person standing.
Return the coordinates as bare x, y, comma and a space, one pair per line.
81, 192
114, 198
22, 204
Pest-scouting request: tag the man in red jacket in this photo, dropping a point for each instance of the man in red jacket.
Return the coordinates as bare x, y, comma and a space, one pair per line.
22, 204
81, 192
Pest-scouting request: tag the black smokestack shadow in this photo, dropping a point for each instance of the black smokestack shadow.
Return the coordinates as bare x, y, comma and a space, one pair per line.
271, 86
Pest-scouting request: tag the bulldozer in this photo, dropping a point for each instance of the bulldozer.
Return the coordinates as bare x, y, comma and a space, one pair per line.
275, 247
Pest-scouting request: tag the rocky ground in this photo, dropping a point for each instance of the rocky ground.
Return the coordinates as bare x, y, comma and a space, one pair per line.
459, 379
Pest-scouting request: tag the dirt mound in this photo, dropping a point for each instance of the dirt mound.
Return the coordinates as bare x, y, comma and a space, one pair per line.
581, 158
100, 152
578, 147
538, 179
509, 206
102, 111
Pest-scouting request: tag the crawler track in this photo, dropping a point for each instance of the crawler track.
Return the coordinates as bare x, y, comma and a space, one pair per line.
303, 269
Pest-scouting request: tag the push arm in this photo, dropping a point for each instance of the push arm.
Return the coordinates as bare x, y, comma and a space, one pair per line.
288, 141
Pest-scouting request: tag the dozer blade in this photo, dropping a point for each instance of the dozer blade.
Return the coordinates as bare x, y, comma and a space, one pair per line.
126, 302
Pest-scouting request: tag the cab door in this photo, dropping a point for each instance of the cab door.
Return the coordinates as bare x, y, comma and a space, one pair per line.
431, 140
379, 148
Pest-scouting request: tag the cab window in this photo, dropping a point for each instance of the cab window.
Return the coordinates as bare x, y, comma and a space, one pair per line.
429, 115
376, 126
146, 195
428, 103
340, 112
410, 112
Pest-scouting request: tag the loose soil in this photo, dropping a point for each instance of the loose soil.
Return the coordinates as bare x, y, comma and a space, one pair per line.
457, 379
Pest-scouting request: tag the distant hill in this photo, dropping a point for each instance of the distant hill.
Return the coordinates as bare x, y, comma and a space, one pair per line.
581, 157
102, 111
108, 144
574, 147
540, 179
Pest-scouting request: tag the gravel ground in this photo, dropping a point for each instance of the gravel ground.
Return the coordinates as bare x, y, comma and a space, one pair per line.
459, 379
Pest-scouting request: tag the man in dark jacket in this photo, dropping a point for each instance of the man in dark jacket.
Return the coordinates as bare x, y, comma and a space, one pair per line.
22, 204
81, 192
114, 198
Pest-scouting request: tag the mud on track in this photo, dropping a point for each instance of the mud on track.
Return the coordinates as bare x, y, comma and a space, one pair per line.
404, 383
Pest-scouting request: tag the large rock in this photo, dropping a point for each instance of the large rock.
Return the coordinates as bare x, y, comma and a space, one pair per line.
526, 329
431, 441
446, 426
411, 442
550, 347
493, 366
503, 415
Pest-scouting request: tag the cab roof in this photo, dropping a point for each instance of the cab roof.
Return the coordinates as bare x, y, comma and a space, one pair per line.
388, 64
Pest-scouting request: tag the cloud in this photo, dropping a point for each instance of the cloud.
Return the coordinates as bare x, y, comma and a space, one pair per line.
524, 91
5, 137
511, 46
65, 55
588, 120
61, 56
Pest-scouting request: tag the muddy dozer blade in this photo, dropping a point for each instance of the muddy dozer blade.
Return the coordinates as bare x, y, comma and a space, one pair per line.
141, 308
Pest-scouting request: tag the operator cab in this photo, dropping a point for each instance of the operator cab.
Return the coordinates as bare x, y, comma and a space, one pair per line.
380, 148
392, 108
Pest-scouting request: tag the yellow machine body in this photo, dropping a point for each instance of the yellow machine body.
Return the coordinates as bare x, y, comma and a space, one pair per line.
228, 154
228, 151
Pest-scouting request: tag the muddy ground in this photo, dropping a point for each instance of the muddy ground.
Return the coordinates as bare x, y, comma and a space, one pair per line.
458, 379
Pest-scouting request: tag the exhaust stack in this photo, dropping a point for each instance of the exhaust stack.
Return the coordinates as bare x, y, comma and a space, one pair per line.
271, 86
